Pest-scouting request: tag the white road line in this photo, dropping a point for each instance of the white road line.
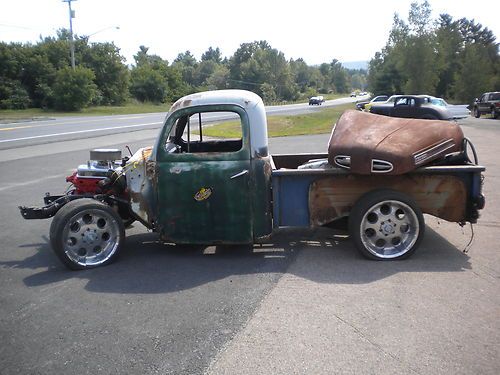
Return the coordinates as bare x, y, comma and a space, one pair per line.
60, 121
79, 132
19, 184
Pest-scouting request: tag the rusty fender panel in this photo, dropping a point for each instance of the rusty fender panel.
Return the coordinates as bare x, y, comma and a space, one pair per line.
139, 173
443, 196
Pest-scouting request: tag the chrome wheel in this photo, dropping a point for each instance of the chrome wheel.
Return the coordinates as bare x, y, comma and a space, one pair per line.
389, 229
91, 237
386, 224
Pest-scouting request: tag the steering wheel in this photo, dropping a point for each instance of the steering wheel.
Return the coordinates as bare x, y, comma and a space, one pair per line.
466, 144
173, 148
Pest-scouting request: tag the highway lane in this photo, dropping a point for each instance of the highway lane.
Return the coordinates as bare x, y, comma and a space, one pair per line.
14, 135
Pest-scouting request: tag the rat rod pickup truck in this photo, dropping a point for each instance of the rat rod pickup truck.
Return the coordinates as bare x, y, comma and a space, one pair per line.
380, 173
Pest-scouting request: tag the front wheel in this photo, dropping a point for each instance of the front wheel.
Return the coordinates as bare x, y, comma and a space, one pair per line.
386, 225
86, 233
477, 113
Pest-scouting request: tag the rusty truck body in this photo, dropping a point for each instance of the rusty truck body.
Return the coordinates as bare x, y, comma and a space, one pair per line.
194, 189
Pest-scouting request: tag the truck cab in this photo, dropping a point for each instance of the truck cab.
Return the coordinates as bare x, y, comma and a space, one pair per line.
213, 190
489, 102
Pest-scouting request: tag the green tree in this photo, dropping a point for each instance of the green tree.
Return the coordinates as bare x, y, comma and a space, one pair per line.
383, 76
475, 74
268, 93
13, 95
338, 76
219, 79
111, 74
256, 63
187, 63
148, 84
74, 89
358, 81
176, 86
212, 55
417, 60
452, 59
448, 43
203, 71
302, 75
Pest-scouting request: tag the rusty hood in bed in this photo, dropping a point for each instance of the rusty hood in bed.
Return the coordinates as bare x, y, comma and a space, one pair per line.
366, 143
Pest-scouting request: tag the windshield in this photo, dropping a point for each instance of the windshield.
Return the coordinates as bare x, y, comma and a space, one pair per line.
438, 101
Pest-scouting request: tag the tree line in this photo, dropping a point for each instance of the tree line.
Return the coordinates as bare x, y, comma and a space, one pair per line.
448, 58
40, 74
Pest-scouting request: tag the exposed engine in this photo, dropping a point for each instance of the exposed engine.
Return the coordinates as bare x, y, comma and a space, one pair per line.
101, 178
101, 175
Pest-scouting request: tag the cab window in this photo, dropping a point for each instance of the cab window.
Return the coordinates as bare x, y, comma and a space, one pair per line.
405, 102
206, 132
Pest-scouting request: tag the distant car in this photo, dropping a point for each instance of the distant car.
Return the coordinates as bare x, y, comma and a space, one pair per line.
363, 105
457, 111
318, 100
353, 94
391, 101
412, 106
489, 102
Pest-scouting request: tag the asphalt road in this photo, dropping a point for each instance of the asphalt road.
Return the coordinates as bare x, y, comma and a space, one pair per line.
46, 131
306, 304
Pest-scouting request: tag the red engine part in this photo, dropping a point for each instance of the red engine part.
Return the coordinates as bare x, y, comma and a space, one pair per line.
84, 185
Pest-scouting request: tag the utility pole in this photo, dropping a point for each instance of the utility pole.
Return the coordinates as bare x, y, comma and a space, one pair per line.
71, 40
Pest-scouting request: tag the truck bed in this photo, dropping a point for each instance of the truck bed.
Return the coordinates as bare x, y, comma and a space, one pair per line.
315, 197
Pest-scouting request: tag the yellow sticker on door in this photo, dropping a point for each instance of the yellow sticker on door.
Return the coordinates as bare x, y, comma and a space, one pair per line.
203, 194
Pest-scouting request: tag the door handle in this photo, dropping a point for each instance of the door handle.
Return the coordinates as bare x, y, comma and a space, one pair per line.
242, 173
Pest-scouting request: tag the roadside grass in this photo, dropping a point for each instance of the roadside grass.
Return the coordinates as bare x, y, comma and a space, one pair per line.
319, 122
131, 108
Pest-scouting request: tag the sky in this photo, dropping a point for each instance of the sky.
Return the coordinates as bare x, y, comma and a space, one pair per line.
317, 31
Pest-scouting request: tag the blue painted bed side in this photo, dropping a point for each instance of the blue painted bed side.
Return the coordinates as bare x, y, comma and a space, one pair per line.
291, 200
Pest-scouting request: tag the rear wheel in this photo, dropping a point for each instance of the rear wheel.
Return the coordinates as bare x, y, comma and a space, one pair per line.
386, 225
86, 233
494, 113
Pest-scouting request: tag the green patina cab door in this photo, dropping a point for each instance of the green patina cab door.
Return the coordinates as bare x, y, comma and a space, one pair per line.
203, 183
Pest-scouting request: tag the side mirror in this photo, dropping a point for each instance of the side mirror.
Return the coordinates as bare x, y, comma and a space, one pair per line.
476, 100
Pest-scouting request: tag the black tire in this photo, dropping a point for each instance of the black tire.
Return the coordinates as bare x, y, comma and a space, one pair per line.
494, 113
477, 112
386, 225
86, 233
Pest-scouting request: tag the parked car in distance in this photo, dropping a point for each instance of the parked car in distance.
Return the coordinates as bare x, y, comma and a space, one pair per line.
411, 106
353, 94
363, 105
457, 111
318, 100
489, 102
